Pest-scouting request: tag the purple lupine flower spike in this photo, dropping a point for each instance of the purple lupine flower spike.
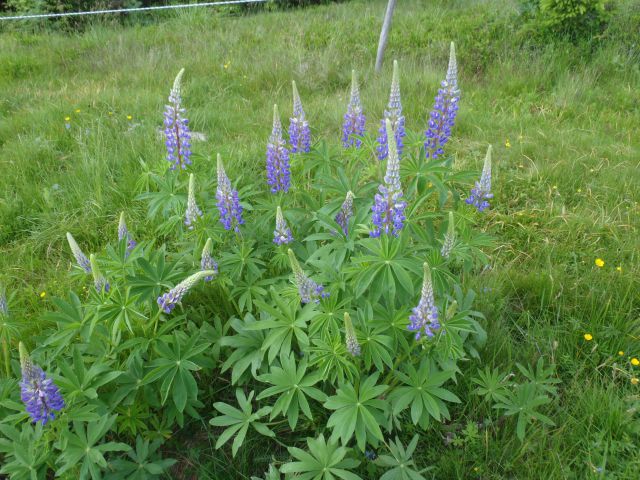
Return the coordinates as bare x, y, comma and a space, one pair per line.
345, 213
394, 114
353, 347
444, 111
449, 238
169, 300
388, 207
193, 212
354, 119
227, 201
424, 319
99, 280
207, 262
282, 234
124, 234
81, 258
39, 394
278, 168
299, 132
481, 193
309, 290
176, 128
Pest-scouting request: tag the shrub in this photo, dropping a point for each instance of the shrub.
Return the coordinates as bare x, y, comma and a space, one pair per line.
362, 344
566, 18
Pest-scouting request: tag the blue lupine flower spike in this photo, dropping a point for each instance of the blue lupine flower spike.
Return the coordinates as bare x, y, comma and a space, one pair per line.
99, 280
39, 394
282, 234
393, 113
345, 213
299, 132
176, 128
309, 290
278, 168
481, 193
169, 300
444, 111
124, 234
388, 207
227, 201
193, 212
353, 347
449, 238
354, 119
424, 319
207, 262
81, 258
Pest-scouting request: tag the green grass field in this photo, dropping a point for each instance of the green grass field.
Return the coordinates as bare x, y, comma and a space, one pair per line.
564, 121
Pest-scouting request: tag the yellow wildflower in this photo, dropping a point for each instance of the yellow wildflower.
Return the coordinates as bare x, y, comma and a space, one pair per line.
507, 143
621, 353
635, 362
599, 262
588, 337
634, 381
43, 294
77, 110
129, 117
226, 64
67, 119
619, 268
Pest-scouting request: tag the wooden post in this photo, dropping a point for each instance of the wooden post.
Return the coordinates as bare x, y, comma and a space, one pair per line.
386, 26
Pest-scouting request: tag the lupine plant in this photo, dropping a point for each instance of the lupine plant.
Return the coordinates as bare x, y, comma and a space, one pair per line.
238, 325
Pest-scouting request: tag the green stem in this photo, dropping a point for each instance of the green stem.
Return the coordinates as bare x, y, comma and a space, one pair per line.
396, 364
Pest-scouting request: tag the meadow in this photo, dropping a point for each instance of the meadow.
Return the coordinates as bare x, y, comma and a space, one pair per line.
81, 140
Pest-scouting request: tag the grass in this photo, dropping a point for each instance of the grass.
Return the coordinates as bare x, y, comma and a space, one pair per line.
563, 120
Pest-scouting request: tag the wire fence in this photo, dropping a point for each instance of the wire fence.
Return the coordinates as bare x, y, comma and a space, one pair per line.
125, 10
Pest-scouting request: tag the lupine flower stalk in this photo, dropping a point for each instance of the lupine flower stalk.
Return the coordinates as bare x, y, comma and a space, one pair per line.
207, 262
176, 128
282, 234
39, 394
81, 258
99, 280
354, 119
278, 168
481, 193
4, 307
227, 201
393, 113
169, 300
299, 132
449, 238
345, 213
193, 212
309, 290
444, 111
388, 207
353, 347
424, 319
124, 234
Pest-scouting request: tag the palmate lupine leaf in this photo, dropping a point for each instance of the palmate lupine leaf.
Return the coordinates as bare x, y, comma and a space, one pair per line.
293, 385
358, 410
323, 461
24, 457
247, 347
330, 357
422, 390
176, 360
81, 447
284, 323
142, 463
238, 421
401, 462
523, 402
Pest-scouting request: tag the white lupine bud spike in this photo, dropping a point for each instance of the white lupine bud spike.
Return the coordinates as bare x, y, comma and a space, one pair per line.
25, 360
80, 257
177, 84
392, 177
276, 132
353, 347
452, 69
449, 238
395, 104
122, 228
485, 178
99, 280
298, 112
355, 90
